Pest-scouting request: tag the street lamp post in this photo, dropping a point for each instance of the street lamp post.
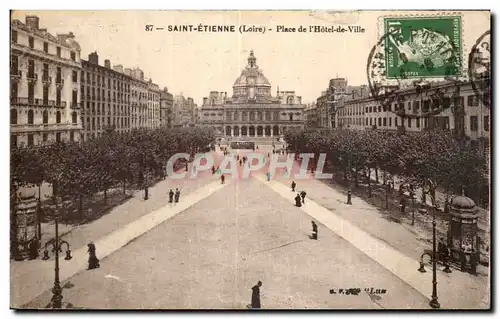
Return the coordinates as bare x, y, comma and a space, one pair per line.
434, 301
349, 191
57, 297
412, 193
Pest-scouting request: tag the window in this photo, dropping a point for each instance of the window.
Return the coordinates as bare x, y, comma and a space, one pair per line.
31, 68
379, 121
58, 117
384, 121
473, 123
14, 36
74, 97
31, 42
46, 47
45, 117
73, 56
472, 100
30, 117
58, 51
75, 77
417, 122
390, 121
13, 141
409, 122
396, 121
30, 140
13, 91
289, 100
45, 137
45, 95
486, 123
58, 137
74, 118
13, 116
71, 136
290, 115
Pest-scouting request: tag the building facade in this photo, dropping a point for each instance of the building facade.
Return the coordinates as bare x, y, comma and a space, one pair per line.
166, 108
458, 109
105, 98
153, 108
252, 112
185, 111
44, 85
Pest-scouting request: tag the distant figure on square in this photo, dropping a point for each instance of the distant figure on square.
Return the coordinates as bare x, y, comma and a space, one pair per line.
256, 295
314, 230
171, 196
303, 195
293, 186
33, 249
222, 179
177, 195
298, 200
93, 261
213, 170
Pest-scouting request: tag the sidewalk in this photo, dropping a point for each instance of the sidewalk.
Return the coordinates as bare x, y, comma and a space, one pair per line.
120, 217
377, 237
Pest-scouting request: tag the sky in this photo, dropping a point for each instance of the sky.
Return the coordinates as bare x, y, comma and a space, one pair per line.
196, 63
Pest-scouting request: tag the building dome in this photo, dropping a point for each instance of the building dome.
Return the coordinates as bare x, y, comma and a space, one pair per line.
252, 75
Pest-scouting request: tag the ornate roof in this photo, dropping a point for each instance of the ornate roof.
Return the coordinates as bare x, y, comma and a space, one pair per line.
251, 75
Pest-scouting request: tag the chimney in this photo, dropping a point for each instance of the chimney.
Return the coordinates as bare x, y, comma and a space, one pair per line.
94, 58
33, 22
225, 95
107, 64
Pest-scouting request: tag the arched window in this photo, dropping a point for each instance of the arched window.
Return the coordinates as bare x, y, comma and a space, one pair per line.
276, 116
259, 116
212, 102
13, 116
58, 117
30, 117
45, 117
244, 116
74, 117
289, 100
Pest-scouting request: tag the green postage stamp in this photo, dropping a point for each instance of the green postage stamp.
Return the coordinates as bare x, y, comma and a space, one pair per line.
423, 47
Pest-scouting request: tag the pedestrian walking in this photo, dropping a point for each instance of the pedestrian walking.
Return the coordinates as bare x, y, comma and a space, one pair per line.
33, 248
298, 200
268, 174
177, 195
93, 261
237, 157
213, 170
314, 230
222, 178
256, 295
171, 196
303, 195
293, 186
241, 162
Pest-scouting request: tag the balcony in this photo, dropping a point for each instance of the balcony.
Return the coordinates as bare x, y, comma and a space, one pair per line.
28, 128
16, 75
60, 104
32, 77
47, 80
59, 82
75, 105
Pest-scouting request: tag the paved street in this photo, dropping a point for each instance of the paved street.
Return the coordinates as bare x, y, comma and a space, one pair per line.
210, 256
29, 276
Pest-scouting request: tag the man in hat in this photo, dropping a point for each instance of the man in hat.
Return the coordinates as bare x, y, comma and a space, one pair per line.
293, 186
303, 195
93, 261
177, 195
442, 250
314, 231
171, 196
256, 295
298, 200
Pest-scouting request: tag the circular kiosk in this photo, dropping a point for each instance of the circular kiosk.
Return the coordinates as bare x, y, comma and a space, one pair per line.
463, 233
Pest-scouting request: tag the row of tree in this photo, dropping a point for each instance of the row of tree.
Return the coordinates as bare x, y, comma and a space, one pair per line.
431, 160
127, 160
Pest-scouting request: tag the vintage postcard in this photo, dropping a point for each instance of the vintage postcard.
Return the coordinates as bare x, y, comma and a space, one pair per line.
250, 160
